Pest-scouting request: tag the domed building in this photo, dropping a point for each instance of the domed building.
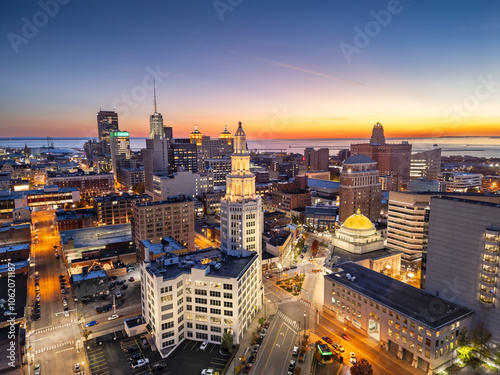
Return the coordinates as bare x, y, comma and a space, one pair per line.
196, 136
358, 235
227, 136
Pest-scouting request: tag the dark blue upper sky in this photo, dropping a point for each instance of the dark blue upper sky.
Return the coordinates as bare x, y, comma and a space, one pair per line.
257, 58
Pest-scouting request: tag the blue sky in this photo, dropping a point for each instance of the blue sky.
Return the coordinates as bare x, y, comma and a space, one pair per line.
258, 58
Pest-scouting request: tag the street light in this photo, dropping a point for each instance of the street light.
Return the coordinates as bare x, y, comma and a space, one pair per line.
305, 326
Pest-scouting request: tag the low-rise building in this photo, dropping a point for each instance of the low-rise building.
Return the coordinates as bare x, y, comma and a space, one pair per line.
14, 253
12, 234
418, 327
286, 201
89, 184
321, 217
76, 219
90, 284
425, 185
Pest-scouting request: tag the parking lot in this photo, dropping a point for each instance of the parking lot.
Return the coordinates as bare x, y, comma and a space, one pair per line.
112, 357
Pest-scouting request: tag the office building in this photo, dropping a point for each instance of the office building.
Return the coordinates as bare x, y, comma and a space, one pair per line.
426, 164
130, 177
463, 256
321, 217
425, 185
416, 326
199, 296
156, 159
360, 188
221, 167
183, 156
461, 182
107, 122
182, 182
316, 160
391, 158
116, 208
156, 127
172, 217
120, 149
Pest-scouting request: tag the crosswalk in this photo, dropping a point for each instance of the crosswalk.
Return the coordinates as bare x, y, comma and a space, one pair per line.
304, 302
52, 328
56, 346
293, 324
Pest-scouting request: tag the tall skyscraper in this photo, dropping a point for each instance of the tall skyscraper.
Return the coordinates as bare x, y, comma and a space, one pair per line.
120, 149
360, 188
462, 256
156, 121
241, 209
391, 158
107, 122
155, 158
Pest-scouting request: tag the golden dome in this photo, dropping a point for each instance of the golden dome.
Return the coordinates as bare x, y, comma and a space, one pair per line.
196, 136
358, 221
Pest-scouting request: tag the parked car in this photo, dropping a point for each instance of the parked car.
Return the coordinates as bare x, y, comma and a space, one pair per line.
132, 349
38, 297
76, 367
98, 310
327, 339
158, 367
266, 324
136, 356
131, 279
293, 266
295, 351
208, 371
302, 256
124, 287
118, 294
353, 358
203, 345
37, 369
291, 365
90, 324
140, 363
66, 313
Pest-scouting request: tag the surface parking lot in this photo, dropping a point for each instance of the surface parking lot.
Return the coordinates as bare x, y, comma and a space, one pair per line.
112, 357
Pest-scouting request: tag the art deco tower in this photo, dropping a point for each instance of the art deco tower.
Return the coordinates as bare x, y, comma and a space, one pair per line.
241, 210
156, 121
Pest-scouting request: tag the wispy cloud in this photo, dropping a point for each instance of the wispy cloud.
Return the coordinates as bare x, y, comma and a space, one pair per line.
298, 68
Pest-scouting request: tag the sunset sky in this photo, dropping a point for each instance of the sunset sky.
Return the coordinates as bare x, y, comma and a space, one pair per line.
421, 68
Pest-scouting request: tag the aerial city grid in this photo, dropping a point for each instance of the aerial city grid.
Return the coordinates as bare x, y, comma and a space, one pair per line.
249, 187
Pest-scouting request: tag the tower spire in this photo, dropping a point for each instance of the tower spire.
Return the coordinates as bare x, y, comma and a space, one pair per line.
154, 90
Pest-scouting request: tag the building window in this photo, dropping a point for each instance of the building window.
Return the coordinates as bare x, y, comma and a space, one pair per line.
228, 287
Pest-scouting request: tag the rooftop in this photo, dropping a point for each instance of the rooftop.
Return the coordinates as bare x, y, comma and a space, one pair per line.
398, 296
278, 240
230, 266
23, 246
120, 197
169, 200
323, 184
88, 276
358, 159
98, 236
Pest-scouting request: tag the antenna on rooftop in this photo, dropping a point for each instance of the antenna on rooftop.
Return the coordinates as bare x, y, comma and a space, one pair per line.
154, 90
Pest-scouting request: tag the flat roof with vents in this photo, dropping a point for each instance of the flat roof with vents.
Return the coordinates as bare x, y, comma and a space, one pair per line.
412, 302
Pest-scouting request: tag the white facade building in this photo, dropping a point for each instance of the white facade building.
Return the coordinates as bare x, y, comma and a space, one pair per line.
203, 294
183, 182
461, 182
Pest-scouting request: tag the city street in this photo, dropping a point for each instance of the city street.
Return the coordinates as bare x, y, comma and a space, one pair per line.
54, 335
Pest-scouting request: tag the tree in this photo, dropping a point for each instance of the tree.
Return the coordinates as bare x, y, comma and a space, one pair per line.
463, 337
227, 340
86, 334
497, 358
314, 247
362, 367
480, 339
465, 353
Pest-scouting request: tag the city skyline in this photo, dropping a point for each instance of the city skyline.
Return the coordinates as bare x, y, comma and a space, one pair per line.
286, 71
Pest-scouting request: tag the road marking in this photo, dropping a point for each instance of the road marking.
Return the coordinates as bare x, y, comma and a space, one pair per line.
52, 347
274, 343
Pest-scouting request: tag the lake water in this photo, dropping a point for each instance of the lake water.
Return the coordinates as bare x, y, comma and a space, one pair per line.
474, 146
